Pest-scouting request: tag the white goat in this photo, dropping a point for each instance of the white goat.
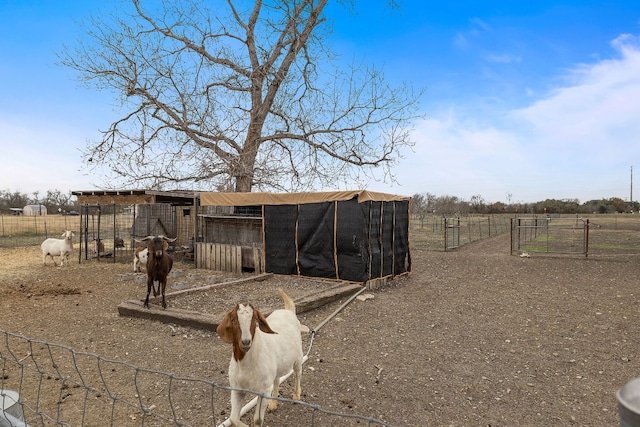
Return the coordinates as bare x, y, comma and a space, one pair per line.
58, 247
263, 351
140, 258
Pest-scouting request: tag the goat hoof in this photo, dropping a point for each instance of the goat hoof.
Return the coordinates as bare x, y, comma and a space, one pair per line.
273, 405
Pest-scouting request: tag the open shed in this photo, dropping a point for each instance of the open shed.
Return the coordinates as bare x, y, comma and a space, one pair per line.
118, 217
345, 235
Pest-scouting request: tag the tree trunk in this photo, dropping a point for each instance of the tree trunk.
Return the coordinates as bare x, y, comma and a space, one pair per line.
243, 184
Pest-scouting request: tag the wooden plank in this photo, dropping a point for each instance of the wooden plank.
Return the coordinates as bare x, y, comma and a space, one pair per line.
202, 255
223, 257
135, 308
238, 260
205, 255
216, 258
208, 255
227, 258
318, 299
256, 260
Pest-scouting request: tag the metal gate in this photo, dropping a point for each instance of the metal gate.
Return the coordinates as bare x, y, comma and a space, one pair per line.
451, 233
550, 235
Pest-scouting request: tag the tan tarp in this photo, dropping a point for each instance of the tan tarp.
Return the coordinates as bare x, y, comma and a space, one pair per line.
257, 199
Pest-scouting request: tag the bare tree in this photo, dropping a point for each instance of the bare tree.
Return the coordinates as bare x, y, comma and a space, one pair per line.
58, 199
242, 95
419, 207
477, 203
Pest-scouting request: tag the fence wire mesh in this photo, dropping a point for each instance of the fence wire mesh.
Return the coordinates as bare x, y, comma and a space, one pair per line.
441, 233
599, 236
59, 386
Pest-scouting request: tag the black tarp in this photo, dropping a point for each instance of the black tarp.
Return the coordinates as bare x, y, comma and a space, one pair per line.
352, 240
280, 239
362, 241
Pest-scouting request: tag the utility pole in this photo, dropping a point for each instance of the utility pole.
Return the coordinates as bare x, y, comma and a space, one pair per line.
631, 193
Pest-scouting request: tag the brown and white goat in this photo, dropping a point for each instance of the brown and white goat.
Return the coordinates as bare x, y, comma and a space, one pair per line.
140, 257
264, 349
159, 265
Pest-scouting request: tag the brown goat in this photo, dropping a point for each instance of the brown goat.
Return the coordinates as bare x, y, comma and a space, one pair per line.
159, 265
118, 242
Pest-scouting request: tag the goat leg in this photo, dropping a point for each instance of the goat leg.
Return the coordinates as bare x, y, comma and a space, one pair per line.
149, 286
261, 409
163, 285
155, 291
237, 400
146, 301
273, 403
297, 373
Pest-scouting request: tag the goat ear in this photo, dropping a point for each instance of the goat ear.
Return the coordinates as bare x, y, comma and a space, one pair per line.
224, 329
262, 323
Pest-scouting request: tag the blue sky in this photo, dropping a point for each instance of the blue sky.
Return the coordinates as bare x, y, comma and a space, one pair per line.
524, 100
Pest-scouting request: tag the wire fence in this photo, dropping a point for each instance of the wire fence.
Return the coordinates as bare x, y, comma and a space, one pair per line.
59, 386
599, 235
547, 235
16, 231
442, 233
105, 232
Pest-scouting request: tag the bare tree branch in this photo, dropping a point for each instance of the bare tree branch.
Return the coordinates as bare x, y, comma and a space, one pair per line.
245, 93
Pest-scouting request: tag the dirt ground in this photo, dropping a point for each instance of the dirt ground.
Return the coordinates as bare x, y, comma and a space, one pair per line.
473, 337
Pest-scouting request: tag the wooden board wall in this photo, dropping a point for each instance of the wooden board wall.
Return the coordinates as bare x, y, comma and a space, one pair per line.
220, 257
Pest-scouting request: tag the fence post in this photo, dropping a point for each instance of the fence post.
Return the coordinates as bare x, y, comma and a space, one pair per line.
511, 234
446, 228
586, 239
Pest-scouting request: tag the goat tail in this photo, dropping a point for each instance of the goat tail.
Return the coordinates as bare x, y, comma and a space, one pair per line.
288, 302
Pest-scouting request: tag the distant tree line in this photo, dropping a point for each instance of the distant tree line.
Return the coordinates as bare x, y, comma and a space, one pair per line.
424, 204
53, 200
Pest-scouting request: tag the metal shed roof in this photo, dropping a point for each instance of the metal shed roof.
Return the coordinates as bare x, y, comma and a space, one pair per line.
123, 197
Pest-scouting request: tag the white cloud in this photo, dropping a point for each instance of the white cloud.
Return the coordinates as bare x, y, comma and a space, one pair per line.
503, 58
597, 111
578, 141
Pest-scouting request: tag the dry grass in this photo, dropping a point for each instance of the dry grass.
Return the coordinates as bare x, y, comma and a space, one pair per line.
14, 225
